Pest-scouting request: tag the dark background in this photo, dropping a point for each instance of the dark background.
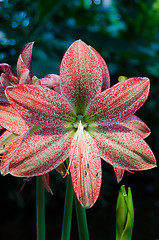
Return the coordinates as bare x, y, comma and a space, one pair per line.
126, 34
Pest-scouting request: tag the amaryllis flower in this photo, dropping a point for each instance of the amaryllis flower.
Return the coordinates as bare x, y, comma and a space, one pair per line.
82, 124
10, 120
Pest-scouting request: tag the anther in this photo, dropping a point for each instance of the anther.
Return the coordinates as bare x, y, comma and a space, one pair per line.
75, 125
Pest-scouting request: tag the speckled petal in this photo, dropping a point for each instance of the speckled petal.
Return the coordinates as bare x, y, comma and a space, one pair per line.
24, 76
9, 151
119, 102
7, 80
85, 168
40, 105
51, 81
40, 153
11, 120
81, 75
24, 62
119, 173
123, 148
137, 125
105, 72
6, 139
2, 96
6, 68
45, 181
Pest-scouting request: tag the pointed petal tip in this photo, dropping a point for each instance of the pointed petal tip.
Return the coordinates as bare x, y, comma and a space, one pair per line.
146, 79
28, 45
119, 173
87, 205
45, 181
137, 125
78, 43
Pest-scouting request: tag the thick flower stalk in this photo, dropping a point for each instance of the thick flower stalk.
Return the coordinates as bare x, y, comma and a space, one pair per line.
84, 123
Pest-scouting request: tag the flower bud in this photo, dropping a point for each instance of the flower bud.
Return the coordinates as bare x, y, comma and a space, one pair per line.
122, 78
124, 215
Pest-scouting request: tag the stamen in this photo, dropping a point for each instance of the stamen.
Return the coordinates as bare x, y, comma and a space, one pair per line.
129, 171
75, 125
70, 162
25, 181
84, 150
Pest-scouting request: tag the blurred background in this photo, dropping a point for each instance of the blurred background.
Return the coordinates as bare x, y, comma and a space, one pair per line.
126, 34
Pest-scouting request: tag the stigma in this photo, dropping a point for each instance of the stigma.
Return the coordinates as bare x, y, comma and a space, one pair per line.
80, 122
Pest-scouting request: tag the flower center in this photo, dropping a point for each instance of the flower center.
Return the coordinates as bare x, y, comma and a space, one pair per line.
80, 120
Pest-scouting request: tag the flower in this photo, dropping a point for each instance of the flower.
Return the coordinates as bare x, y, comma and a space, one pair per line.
82, 124
16, 127
9, 117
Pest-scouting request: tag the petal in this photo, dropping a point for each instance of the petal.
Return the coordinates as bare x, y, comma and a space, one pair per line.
24, 62
123, 148
105, 72
4, 80
40, 153
137, 125
81, 75
51, 81
45, 181
2, 96
119, 173
6, 139
24, 76
119, 102
6, 68
85, 168
9, 151
7, 80
40, 105
11, 120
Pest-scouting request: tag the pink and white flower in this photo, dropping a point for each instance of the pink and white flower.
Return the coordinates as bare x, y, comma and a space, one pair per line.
86, 122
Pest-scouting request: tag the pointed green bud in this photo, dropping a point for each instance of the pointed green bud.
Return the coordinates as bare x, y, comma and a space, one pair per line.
124, 215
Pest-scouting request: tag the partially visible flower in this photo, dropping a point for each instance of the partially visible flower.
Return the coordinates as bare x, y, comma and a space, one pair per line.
82, 123
16, 127
9, 117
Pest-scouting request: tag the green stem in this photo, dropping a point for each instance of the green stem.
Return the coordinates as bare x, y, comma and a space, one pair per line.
66, 228
40, 209
81, 221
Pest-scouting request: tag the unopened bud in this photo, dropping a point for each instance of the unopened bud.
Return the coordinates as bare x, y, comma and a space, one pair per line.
124, 215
